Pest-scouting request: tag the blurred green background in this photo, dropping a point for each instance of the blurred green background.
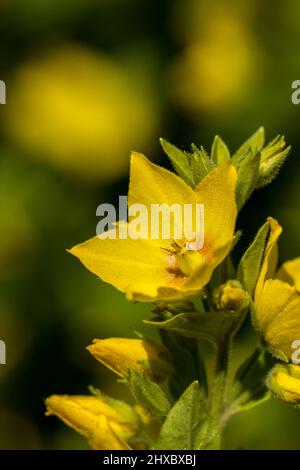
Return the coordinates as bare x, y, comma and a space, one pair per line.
88, 81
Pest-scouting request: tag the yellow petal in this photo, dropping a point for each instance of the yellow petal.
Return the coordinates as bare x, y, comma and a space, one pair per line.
270, 257
105, 439
140, 268
217, 192
121, 354
278, 317
95, 419
128, 265
290, 273
284, 381
152, 184
161, 190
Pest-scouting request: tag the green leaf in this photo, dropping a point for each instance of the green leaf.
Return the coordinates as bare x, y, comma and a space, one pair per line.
249, 389
250, 264
272, 158
181, 427
148, 394
201, 164
248, 173
254, 144
186, 360
210, 326
180, 161
219, 151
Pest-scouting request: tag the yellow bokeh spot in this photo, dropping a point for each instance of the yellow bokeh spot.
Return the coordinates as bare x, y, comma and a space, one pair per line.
80, 111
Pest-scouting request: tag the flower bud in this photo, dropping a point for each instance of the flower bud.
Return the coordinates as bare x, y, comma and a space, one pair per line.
104, 422
284, 382
121, 354
231, 297
272, 158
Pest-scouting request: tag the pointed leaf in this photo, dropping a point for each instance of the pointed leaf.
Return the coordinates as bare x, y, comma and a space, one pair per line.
201, 164
211, 326
180, 161
219, 151
148, 394
250, 264
248, 173
181, 427
184, 363
254, 144
249, 387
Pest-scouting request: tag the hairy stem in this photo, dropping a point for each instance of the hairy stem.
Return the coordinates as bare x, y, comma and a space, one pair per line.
211, 435
219, 387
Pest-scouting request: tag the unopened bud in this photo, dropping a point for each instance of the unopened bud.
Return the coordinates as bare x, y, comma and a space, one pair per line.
284, 382
231, 297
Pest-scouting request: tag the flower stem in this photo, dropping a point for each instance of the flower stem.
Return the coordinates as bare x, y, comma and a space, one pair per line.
219, 387
211, 435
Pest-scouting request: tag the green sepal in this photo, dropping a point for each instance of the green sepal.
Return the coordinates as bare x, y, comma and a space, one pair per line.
219, 151
248, 174
272, 158
249, 388
148, 394
180, 161
251, 261
201, 164
254, 144
180, 430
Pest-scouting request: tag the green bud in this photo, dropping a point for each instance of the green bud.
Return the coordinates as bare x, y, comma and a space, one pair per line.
272, 157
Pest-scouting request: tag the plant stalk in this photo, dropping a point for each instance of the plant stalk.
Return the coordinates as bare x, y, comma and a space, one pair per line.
212, 432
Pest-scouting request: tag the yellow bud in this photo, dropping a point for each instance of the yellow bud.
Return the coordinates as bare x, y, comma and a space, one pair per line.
105, 425
121, 354
284, 382
231, 297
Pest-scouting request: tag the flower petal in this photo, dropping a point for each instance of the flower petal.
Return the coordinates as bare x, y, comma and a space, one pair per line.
126, 264
104, 438
122, 354
278, 317
152, 184
270, 257
217, 192
290, 273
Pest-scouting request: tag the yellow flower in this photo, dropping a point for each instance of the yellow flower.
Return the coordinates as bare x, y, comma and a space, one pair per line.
284, 381
276, 301
106, 423
154, 269
121, 354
